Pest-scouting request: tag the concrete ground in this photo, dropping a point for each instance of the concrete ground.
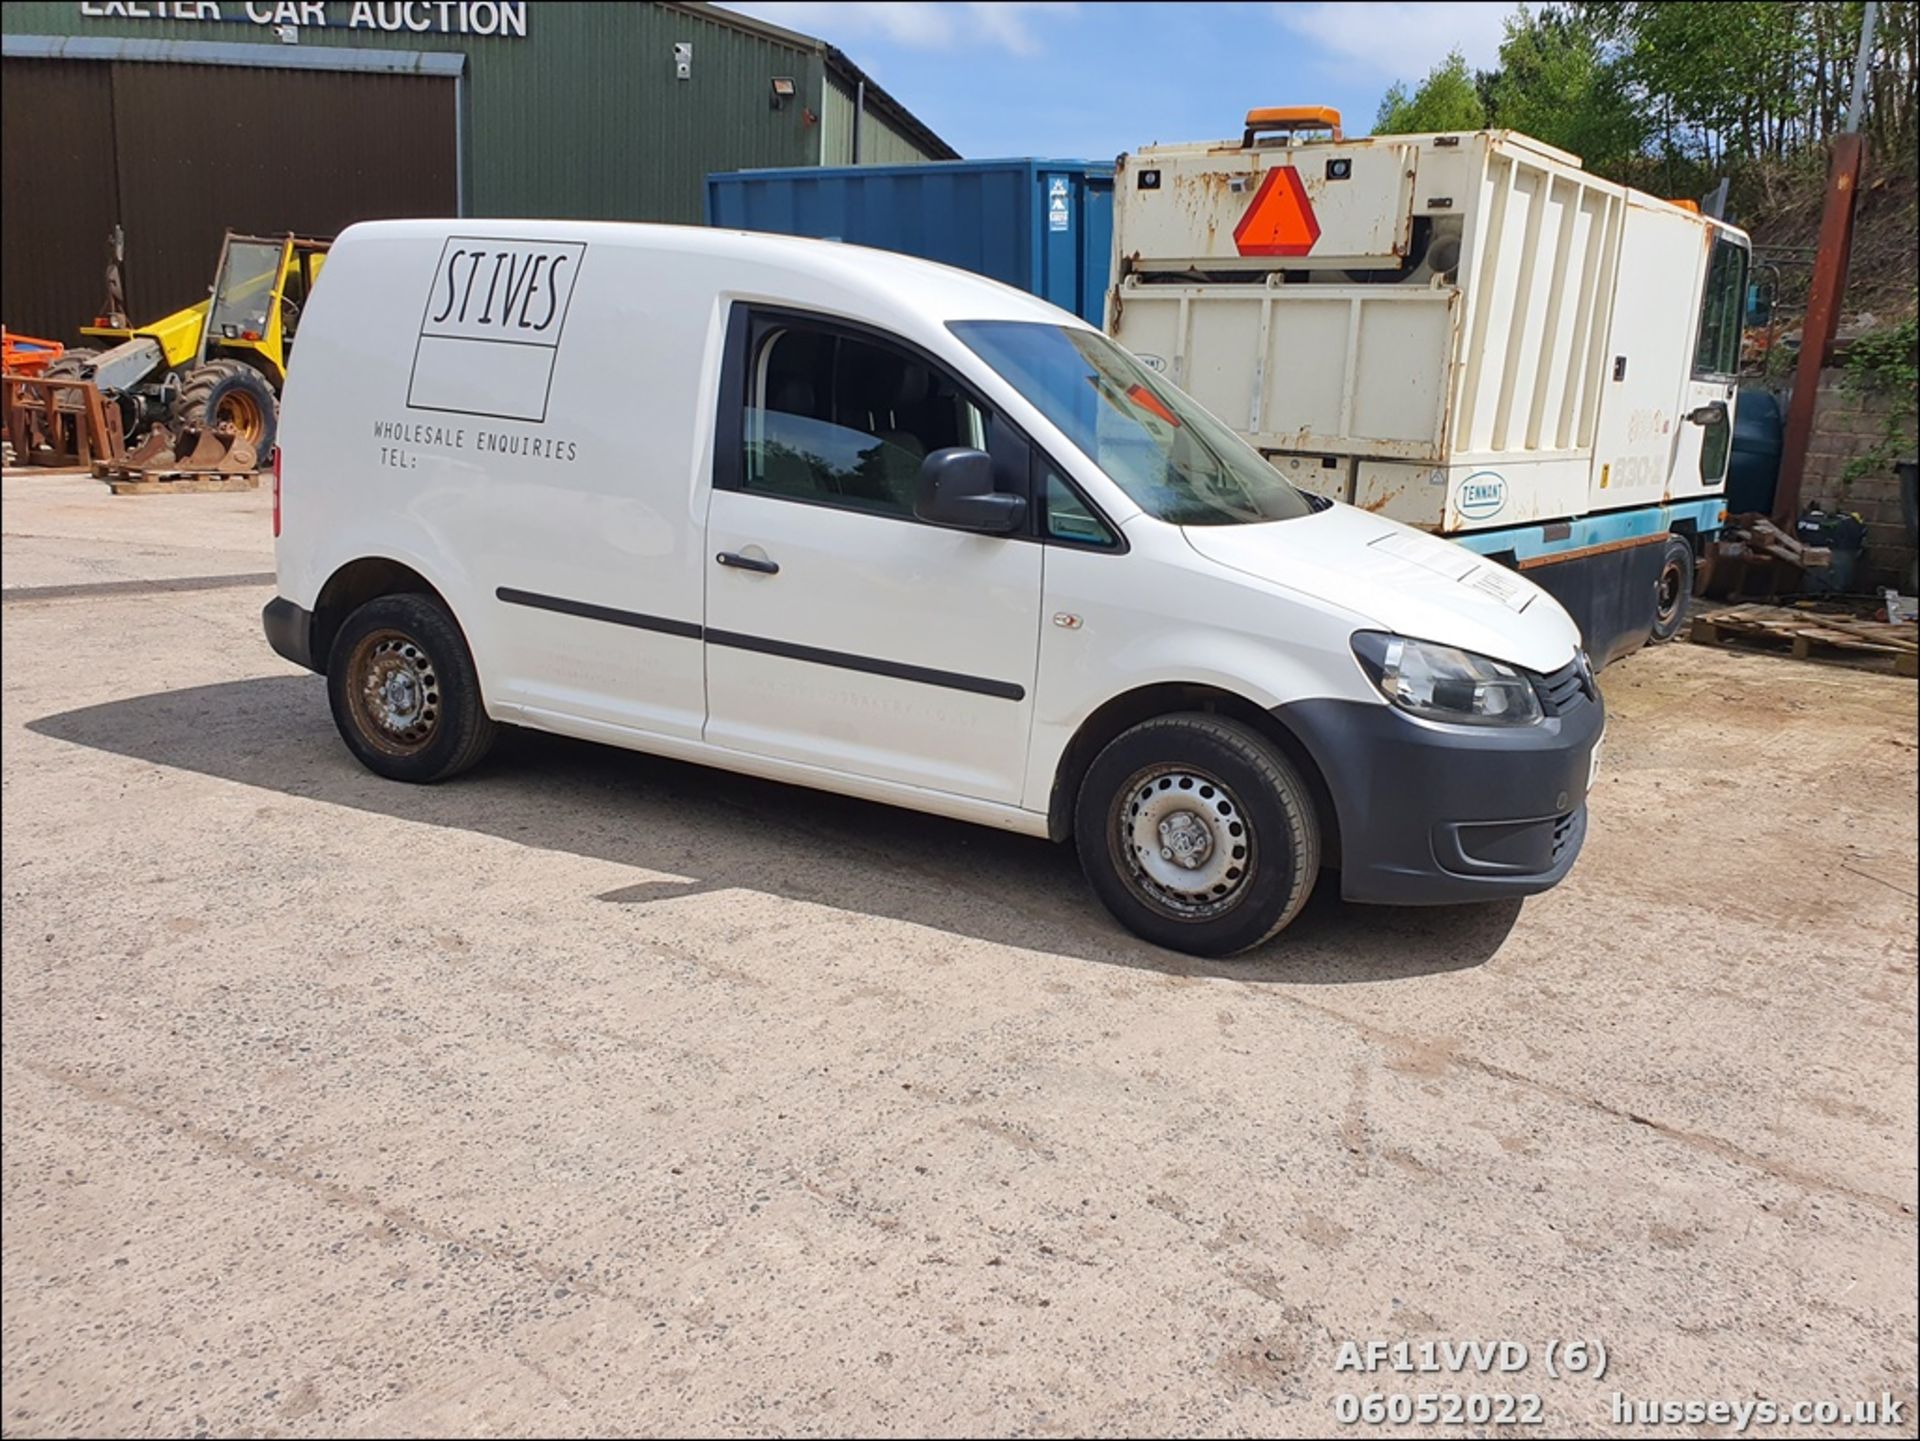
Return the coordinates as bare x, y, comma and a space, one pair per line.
597, 1093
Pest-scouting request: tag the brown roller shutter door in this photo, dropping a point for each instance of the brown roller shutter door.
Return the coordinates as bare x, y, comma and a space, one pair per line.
193, 150
56, 194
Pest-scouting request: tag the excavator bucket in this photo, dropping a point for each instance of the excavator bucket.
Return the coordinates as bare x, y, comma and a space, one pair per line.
186, 449
210, 447
154, 452
242, 458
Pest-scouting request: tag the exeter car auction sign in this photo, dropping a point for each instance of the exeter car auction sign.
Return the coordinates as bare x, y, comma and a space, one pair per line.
506, 18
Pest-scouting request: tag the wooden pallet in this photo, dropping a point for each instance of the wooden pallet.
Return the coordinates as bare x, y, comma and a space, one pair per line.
1811, 635
178, 482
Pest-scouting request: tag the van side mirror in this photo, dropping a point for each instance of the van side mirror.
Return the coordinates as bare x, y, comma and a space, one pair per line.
1711, 414
956, 490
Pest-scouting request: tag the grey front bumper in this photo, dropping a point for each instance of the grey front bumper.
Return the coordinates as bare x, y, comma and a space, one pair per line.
1437, 814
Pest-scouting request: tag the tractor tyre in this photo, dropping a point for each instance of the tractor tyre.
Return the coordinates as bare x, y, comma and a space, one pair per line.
71, 360
233, 393
124, 408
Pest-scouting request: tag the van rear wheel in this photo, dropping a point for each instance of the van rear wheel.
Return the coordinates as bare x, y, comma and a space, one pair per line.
1198, 834
404, 691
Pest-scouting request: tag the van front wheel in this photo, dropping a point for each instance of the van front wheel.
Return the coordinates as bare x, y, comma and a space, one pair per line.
1198, 834
404, 691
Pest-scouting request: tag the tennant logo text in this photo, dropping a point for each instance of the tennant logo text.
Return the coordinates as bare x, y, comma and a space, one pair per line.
1483, 494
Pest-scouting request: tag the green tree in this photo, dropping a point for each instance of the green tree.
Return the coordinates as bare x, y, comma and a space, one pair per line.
1724, 81
1719, 76
1557, 83
1447, 99
1672, 93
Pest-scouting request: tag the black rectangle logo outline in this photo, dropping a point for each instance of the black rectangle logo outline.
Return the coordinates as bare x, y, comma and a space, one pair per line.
420, 334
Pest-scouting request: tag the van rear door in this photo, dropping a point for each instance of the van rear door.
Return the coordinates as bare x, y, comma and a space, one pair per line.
841, 631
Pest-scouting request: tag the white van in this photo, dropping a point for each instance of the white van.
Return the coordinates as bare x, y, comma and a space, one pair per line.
859, 522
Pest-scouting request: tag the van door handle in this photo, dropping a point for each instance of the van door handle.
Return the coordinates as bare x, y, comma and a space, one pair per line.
748, 562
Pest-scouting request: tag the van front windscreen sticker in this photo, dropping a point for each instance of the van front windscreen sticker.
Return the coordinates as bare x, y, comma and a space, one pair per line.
490, 330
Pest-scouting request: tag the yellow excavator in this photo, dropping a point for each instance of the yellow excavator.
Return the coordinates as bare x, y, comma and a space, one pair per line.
214, 367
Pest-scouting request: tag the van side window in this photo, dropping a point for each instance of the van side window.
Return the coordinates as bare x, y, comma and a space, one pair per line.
843, 421
1069, 519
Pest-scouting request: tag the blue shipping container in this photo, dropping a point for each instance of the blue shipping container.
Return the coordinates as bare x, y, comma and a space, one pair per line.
1043, 225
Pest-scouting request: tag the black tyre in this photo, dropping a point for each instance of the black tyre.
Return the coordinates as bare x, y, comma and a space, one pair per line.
1198, 834
1674, 588
73, 361
231, 392
404, 691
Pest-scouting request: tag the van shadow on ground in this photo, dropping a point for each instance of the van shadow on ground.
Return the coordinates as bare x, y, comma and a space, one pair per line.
726, 831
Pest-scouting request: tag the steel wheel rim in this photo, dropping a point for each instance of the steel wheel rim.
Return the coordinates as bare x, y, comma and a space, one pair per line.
1182, 842
242, 412
1669, 598
394, 691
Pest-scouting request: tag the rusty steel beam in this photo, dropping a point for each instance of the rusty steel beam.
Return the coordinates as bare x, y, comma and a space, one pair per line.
1823, 318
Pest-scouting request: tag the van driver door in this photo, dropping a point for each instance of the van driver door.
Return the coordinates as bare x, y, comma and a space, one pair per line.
841, 631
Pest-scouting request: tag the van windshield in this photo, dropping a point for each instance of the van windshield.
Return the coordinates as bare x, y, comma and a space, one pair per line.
1175, 461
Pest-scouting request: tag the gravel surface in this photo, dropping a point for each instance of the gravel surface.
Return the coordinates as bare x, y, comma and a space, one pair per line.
598, 1093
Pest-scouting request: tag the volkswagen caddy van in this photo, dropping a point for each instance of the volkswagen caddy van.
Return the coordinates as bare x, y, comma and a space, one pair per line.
859, 522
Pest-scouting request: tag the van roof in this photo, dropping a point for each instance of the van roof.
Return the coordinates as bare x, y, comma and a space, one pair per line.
881, 281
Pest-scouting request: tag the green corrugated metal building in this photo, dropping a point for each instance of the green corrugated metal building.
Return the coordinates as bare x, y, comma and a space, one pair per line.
178, 120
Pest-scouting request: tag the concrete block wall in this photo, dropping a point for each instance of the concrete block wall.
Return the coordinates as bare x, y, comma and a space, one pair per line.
1849, 422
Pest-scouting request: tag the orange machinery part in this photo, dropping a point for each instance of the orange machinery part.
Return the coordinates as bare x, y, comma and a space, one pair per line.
27, 354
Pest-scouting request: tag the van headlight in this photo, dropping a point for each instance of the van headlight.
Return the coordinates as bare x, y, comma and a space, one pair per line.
1446, 684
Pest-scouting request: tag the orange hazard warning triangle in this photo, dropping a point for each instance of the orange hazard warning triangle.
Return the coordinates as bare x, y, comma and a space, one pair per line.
1280, 220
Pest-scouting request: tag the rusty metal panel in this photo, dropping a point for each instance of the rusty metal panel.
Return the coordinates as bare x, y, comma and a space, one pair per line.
1823, 318
203, 149
1411, 494
57, 193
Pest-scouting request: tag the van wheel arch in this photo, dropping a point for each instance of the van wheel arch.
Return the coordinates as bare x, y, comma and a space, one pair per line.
351, 587
1127, 710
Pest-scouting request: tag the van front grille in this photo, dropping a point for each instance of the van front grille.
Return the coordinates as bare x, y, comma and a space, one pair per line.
1565, 689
